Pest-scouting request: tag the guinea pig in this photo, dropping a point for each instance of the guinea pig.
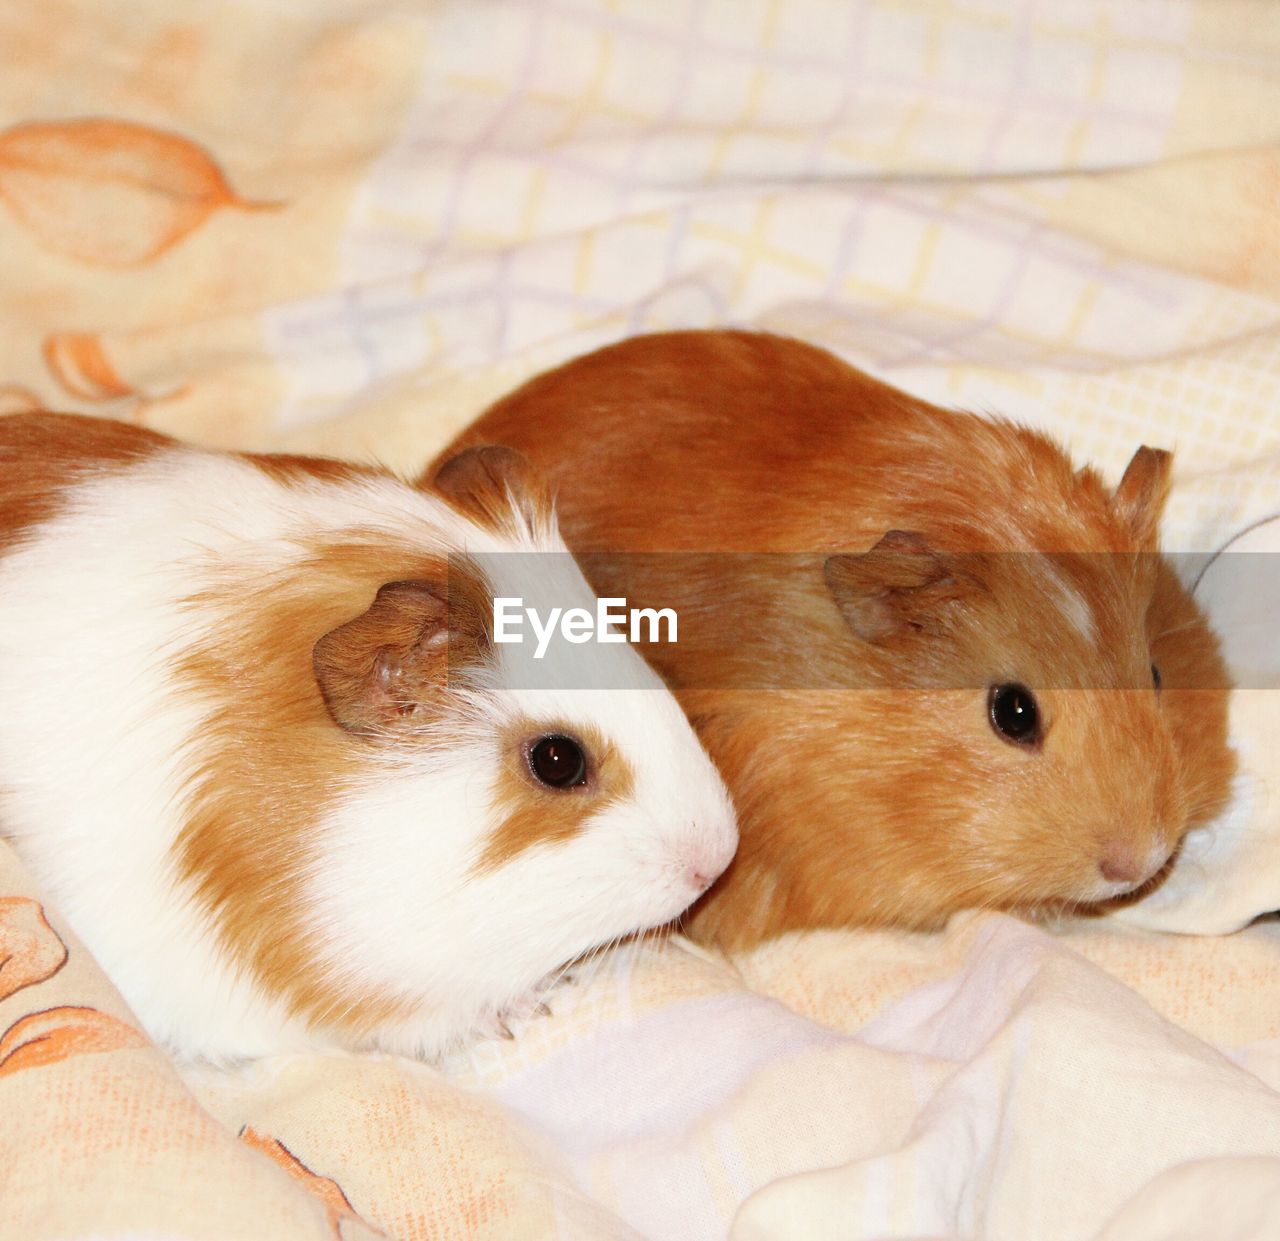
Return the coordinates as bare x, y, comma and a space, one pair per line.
926, 651
259, 747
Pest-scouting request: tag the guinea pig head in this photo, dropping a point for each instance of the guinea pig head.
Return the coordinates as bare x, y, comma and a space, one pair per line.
495, 820
1029, 755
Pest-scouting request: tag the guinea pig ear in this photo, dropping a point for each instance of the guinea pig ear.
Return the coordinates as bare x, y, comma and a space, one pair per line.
381, 670
491, 482
901, 586
1141, 493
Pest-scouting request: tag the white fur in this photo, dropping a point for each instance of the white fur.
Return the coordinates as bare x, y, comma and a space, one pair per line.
1072, 604
97, 745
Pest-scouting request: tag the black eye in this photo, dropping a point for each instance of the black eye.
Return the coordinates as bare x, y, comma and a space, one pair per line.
1014, 714
558, 761
1155, 676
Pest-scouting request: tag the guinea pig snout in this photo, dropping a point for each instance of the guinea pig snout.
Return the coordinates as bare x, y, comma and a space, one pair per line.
1125, 867
698, 880
700, 861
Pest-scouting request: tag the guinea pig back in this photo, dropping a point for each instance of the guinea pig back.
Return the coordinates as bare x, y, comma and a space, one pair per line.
939, 666
260, 748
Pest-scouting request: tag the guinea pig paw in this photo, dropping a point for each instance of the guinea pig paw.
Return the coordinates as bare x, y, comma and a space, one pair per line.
492, 1027
530, 1007
525, 1009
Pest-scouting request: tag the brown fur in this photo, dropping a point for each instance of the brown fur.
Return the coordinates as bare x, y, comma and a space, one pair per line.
42, 455
292, 469
880, 795
496, 488
1141, 493
534, 816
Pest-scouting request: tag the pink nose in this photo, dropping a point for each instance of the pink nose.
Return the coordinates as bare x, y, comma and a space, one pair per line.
1129, 866
1120, 868
698, 880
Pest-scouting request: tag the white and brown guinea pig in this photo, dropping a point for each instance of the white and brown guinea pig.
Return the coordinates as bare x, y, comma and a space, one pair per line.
261, 752
942, 725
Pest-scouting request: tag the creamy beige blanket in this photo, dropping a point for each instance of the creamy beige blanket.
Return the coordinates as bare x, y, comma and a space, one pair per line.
345, 225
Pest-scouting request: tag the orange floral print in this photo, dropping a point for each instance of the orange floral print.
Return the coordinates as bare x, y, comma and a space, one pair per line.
336, 1203
108, 192
79, 364
58, 1033
30, 949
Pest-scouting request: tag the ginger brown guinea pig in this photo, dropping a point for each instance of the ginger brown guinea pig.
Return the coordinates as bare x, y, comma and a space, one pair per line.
939, 666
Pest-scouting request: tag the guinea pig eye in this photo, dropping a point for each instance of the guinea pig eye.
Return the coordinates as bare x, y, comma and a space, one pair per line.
1155, 676
558, 761
1014, 714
